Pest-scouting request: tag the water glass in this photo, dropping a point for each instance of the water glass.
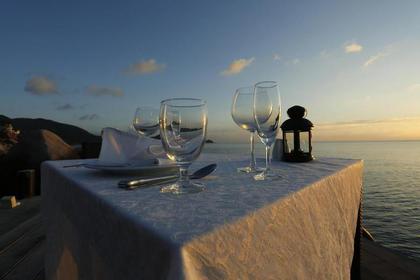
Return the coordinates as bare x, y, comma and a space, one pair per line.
183, 128
267, 113
242, 115
146, 121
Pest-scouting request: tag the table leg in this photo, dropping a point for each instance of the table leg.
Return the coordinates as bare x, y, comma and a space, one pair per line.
355, 266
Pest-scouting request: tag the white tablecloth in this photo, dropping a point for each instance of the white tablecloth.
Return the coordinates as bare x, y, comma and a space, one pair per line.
299, 227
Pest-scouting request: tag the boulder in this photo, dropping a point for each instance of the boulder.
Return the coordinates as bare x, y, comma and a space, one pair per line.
32, 148
8, 137
4, 148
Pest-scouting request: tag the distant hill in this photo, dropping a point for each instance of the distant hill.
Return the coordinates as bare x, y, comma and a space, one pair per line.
71, 134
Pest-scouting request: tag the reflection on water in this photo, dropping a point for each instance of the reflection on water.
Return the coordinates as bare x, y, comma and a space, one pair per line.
391, 203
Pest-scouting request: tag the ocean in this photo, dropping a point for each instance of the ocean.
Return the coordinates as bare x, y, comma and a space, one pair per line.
391, 201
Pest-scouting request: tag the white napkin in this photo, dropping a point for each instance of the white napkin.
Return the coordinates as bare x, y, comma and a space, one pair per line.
119, 147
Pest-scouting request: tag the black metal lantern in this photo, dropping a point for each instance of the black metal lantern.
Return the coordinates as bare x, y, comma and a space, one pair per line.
297, 136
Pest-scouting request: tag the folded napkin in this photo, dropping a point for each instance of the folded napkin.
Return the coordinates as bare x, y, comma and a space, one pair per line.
119, 147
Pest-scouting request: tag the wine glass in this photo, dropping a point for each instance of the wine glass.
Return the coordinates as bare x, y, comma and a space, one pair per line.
242, 115
267, 113
146, 121
183, 128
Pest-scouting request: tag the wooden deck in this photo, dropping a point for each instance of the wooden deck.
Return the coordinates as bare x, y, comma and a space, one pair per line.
22, 248
379, 262
22, 241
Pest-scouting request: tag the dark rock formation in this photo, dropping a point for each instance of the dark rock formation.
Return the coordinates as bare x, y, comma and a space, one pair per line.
71, 134
8, 138
32, 148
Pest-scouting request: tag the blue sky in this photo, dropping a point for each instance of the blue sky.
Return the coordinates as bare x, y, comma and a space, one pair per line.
354, 65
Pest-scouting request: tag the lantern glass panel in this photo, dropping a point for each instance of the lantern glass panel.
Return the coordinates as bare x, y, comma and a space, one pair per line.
304, 141
289, 143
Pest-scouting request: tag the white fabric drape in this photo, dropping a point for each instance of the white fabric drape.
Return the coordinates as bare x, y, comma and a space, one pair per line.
301, 226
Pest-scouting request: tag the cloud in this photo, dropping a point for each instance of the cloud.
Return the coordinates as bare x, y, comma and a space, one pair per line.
65, 107
355, 122
89, 117
295, 61
414, 88
41, 85
103, 91
359, 123
144, 67
237, 66
371, 130
277, 57
353, 48
375, 58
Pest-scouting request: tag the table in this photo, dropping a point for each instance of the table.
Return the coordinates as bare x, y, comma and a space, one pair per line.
302, 226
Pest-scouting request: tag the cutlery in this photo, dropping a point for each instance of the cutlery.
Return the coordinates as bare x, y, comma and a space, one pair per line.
134, 184
112, 165
99, 165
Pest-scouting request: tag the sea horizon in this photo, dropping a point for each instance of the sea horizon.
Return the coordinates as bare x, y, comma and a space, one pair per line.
324, 141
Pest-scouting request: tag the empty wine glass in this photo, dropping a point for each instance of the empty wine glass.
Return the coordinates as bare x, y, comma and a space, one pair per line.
242, 115
267, 113
146, 121
183, 127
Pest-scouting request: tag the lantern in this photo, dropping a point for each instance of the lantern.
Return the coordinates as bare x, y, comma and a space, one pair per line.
297, 136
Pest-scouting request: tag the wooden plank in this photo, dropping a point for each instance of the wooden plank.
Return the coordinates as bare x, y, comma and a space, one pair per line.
11, 218
22, 241
368, 274
13, 255
14, 235
384, 263
40, 275
31, 266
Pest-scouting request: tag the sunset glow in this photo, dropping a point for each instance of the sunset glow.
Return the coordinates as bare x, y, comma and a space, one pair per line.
356, 71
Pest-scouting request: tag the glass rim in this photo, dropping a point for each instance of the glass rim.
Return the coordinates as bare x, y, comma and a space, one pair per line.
241, 88
261, 84
167, 102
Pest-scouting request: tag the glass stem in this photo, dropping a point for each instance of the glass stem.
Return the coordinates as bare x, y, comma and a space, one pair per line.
267, 158
252, 163
183, 180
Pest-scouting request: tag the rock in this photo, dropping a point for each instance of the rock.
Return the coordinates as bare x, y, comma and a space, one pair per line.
33, 147
71, 134
8, 137
36, 146
3, 149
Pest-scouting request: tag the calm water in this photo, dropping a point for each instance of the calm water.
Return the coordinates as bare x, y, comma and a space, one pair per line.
391, 203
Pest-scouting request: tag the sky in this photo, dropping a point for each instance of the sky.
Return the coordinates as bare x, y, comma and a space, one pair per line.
355, 65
